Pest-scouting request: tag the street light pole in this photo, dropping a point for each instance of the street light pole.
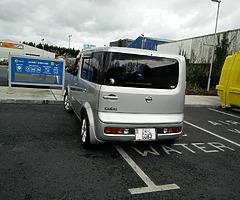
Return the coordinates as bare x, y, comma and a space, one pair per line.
142, 41
69, 38
214, 44
42, 47
43, 42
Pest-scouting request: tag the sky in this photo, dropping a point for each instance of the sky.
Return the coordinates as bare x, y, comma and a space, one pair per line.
99, 22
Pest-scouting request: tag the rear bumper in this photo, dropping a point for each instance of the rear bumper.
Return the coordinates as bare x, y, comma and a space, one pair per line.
131, 138
100, 135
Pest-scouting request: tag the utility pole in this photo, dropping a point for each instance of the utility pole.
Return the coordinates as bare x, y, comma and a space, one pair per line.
69, 39
142, 41
214, 44
42, 42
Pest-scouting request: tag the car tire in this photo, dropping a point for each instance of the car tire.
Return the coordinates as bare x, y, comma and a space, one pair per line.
84, 132
66, 101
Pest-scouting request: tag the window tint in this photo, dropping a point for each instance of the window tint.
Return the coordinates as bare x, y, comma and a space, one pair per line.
86, 70
129, 70
91, 67
95, 66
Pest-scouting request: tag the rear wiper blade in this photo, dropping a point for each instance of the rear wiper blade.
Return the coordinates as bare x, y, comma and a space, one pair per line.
135, 83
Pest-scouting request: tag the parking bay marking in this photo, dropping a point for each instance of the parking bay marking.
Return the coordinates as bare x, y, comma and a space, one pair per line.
168, 150
151, 187
214, 134
218, 111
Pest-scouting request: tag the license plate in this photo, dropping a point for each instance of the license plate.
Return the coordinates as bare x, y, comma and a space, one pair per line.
145, 134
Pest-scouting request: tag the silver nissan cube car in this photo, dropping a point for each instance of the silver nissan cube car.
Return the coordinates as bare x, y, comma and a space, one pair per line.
125, 94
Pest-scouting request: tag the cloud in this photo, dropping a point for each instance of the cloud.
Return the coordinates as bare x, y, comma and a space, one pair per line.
100, 22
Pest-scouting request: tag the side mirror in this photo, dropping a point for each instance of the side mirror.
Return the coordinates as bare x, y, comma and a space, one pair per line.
72, 71
69, 70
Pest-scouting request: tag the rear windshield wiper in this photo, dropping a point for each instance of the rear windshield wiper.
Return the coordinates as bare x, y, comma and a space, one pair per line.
136, 83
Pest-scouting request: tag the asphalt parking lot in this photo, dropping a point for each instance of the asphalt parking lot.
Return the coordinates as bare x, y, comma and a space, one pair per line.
41, 158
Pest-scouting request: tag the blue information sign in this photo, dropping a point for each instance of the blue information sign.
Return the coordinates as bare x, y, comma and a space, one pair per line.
36, 71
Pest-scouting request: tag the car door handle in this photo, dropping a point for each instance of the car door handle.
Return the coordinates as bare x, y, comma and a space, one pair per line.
75, 84
110, 97
83, 89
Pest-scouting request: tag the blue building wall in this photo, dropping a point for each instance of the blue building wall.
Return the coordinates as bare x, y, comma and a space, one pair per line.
148, 43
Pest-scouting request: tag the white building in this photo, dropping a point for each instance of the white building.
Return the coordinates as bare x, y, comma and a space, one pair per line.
9, 47
198, 49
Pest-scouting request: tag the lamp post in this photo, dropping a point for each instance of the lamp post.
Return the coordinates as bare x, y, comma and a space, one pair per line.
42, 42
69, 38
43, 46
142, 41
214, 44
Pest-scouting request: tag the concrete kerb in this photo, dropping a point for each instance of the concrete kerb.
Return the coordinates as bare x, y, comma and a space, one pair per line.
33, 102
20, 95
201, 106
202, 101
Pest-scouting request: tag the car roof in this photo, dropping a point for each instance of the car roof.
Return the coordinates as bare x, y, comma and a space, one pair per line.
128, 51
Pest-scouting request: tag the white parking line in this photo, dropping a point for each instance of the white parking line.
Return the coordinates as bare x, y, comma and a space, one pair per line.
218, 111
214, 134
151, 187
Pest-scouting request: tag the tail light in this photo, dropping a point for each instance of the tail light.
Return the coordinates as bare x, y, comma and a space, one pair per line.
112, 130
172, 130
125, 131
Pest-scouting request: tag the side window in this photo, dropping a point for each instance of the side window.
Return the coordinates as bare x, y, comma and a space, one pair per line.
96, 66
86, 70
91, 68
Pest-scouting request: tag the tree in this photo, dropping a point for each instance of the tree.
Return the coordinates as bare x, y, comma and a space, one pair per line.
55, 49
120, 43
221, 52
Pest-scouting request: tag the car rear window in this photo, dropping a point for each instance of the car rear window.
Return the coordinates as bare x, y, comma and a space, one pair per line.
130, 70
